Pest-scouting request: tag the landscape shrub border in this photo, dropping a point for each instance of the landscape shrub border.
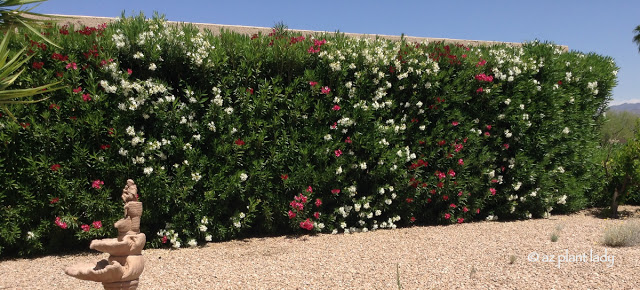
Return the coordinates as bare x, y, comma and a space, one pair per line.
238, 135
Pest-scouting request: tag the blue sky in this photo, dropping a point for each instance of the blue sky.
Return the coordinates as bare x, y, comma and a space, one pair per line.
603, 27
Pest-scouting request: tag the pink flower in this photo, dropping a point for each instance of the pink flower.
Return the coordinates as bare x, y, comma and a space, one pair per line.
479, 90
325, 90
454, 123
458, 147
164, 239
60, 223
487, 134
86, 97
484, 78
316, 215
447, 216
465, 209
489, 127
318, 202
296, 205
412, 219
97, 224
77, 90
460, 220
440, 175
336, 108
313, 84
460, 161
85, 228
338, 152
453, 205
335, 191
445, 197
493, 191
409, 200
451, 173
292, 214
307, 225
72, 65
481, 63
459, 193
129, 71
506, 146
309, 189
348, 140
97, 184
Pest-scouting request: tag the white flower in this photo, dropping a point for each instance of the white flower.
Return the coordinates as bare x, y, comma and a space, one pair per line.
241, 215
378, 212
148, 170
208, 238
229, 110
562, 200
138, 55
356, 207
187, 146
327, 137
339, 170
419, 104
30, 235
237, 224
192, 243
517, 186
507, 102
381, 190
203, 228
363, 165
212, 126
243, 176
204, 220
152, 66
343, 225
123, 152
388, 201
196, 137
566, 130
507, 133
422, 127
186, 162
196, 176
130, 131
521, 106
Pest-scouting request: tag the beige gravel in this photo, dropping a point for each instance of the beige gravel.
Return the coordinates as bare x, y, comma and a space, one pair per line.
473, 255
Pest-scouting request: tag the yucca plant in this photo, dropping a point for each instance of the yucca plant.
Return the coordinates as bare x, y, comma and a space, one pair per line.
11, 64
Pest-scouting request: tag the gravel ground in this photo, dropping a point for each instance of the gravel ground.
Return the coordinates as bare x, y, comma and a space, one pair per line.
473, 255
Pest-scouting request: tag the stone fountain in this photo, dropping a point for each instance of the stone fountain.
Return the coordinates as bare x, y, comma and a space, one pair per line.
125, 263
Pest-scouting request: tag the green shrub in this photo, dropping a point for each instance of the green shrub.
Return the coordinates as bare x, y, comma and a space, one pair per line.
622, 235
234, 135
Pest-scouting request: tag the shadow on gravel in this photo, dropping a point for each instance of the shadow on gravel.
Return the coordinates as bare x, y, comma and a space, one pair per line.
624, 212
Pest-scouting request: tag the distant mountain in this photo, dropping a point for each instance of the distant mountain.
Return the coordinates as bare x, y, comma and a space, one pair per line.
632, 108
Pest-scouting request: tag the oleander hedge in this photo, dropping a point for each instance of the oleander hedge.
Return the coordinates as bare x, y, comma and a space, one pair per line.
238, 135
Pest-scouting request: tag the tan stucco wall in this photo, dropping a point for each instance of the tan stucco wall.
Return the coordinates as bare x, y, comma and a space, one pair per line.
215, 29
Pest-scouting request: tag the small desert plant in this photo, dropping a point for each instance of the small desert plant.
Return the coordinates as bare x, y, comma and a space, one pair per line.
622, 235
512, 259
398, 276
473, 271
554, 237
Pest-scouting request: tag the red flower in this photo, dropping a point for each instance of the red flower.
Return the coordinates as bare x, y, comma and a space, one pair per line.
487, 134
129, 71
458, 147
316, 215
85, 228
254, 36
309, 189
25, 125
97, 184
409, 200
336, 108
445, 197
239, 142
37, 65
77, 90
412, 219
307, 225
296, 205
250, 90
325, 90
454, 123
313, 84
348, 140
440, 175
291, 214
479, 90
86, 97
97, 224
72, 65
54, 200
338, 152
105, 147
54, 106
506, 146
164, 239
318, 202
55, 167
73, 118
447, 216
489, 127
460, 220
493, 191
460, 161
111, 131
559, 82
453, 205
440, 185
459, 193
481, 62
60, 223
335, 191
451, 173
442, 142
484, 78
465, 209
59, 74
284, 177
